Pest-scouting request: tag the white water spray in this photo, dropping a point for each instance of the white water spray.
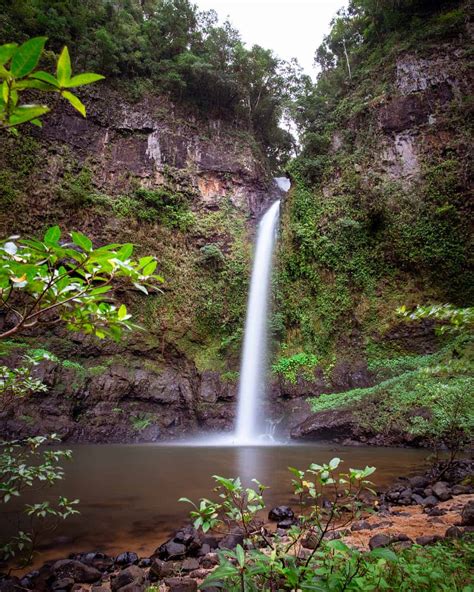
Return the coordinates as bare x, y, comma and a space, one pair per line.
254, 358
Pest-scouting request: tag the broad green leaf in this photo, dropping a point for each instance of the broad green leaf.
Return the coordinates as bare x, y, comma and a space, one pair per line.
37, 84
26, 113
75, 102
6, 52
334, 463
26, 57
384, 553
240, 554
5, 92
45, 77
4, 73
52, 235
125, 252
338, 546
63, 68
122, 312
150, 268
82, 79
81, 240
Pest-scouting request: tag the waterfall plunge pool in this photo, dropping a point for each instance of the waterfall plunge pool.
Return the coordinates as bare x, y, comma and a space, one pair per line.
129, 493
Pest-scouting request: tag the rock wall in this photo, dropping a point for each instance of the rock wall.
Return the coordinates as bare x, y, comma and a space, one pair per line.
173, 378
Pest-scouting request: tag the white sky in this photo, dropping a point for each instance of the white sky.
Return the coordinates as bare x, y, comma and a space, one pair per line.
292, 28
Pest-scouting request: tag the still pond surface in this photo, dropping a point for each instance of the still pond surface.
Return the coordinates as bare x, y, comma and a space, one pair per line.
129, 493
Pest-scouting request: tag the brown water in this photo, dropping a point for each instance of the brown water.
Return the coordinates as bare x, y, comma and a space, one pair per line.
129, 493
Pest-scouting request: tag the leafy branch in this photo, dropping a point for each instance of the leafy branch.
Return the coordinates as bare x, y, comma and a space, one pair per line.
18, 65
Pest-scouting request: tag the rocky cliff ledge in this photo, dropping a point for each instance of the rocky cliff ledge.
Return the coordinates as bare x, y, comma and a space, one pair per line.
185, 188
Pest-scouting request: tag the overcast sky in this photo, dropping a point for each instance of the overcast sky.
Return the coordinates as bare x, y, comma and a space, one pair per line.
292, 28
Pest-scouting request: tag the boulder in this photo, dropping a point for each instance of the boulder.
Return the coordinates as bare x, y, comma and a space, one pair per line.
127, 558
171, 550
418, 482
453, 532
160, 569
231, 541
281, 513
77, 571
130, 575
100, 561
181, 585
461, 489
417, 499
64, 584
430, 501
287, 523
467, 514
190, 564
360, 525
427, 540
379, 540
441, 490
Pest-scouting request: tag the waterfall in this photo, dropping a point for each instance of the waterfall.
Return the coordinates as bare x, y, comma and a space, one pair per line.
254, 357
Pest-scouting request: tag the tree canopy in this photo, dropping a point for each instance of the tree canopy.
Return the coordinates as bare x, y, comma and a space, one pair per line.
173, 48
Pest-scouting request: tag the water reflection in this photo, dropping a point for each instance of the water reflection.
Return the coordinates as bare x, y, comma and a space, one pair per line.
129, 493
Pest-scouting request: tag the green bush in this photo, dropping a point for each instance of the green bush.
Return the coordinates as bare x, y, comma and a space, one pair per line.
301, 364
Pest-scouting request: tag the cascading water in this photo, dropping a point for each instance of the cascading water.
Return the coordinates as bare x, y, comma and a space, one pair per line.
254, 357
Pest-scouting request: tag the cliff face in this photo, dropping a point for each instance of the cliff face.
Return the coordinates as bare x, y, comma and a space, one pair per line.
384, 223
183, 188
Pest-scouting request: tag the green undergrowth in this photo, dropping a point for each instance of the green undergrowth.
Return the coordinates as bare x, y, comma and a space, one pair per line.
291, 367
426, 396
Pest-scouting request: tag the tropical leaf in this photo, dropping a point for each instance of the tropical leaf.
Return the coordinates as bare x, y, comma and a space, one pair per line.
26, 57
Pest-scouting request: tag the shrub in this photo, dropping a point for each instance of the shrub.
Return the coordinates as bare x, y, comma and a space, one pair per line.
301, 364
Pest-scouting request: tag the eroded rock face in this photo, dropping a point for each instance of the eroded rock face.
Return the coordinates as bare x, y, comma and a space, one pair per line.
137, 141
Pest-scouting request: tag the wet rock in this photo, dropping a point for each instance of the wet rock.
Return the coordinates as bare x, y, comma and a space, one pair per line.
435, 512
453, 532
127, 558
467, 514
171, 550
145, 562
430, 501
460, 489
190, 564
311, 540
333, 535
210, 540
418, 482
231, 541
401, 538
379, 540
417, 499
130, 575
209, 561
100, 561
287, 523
405, 496
360, 525
77, 571
10, 584
326, 424
181, 584
441, 490
160, 569
204, 550
281, 513
427, 540
104, 587
63, 584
